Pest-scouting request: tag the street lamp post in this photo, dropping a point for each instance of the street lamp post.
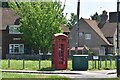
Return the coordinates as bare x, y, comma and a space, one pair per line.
118, 54
77, 27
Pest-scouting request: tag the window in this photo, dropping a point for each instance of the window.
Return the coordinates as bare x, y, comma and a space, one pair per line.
13, 29
102, 51
81, 33
16, 48
87, 36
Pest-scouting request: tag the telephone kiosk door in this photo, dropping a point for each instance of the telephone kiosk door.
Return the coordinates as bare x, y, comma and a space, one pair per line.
61, 55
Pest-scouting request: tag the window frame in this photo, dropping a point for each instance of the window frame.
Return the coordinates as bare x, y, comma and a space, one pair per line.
14, 29
12, 49
88, 36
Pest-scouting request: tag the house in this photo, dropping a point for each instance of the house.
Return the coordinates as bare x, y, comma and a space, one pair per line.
110, 32
65, 29
101, 41
10, 38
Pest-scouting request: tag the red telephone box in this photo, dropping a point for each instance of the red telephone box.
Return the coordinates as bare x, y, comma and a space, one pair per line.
59, 51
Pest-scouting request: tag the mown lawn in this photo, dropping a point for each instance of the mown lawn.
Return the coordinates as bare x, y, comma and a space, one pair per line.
103, 63
28, 75
25, 76
46, 65
30, 65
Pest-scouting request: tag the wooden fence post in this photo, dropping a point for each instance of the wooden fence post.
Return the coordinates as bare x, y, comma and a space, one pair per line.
100, 63
95, 64
110, 62
8, 62
39, 64
105, 61
23, 63
116, 62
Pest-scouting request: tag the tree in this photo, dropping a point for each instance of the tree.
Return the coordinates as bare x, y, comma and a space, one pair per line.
100, 19
72, 21
39, 21
95, 17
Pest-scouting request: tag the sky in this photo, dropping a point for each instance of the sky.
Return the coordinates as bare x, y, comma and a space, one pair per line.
90, 7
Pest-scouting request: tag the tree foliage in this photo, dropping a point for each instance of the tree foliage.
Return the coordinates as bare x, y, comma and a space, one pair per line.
100, 19
39, 21
95, 17
72, 21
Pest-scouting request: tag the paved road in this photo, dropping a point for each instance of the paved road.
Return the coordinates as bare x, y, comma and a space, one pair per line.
89, 74
73, 74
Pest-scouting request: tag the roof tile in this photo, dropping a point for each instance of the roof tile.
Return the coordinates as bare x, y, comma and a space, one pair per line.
8, 17
109, 29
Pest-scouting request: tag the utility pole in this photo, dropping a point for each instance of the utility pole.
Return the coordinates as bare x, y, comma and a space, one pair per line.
118, 54
77, 27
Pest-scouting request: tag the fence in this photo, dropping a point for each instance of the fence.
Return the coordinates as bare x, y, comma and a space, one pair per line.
95, 62
102, 62
26, 64
26, 56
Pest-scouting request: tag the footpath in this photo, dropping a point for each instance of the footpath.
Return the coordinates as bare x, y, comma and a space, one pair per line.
71, 74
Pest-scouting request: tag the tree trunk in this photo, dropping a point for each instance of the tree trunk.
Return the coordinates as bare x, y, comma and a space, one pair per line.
44, 56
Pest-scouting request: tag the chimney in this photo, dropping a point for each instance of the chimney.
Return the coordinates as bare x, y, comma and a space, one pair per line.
103, 19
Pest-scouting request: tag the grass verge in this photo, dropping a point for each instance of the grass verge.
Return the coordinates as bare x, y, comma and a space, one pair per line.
28, 75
